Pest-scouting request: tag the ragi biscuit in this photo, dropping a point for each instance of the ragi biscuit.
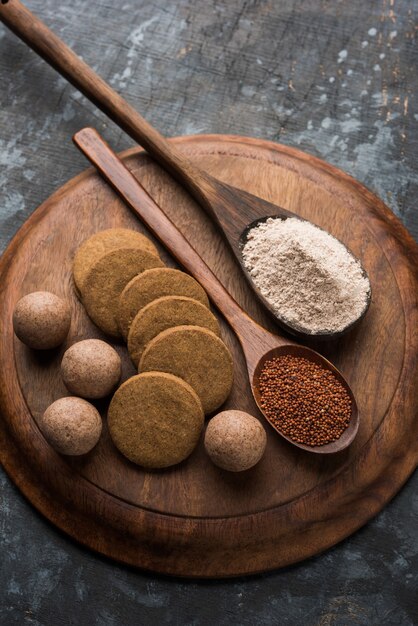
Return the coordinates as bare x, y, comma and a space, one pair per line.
106, 279
104, 241
165, 313
197, 356
152, 285
155, 419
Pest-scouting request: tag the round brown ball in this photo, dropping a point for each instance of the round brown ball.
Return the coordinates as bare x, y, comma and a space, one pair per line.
235, 441
72, 426
41, 320
91, 368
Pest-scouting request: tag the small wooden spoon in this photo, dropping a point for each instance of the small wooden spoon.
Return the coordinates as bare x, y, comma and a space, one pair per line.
258, 344
232, 209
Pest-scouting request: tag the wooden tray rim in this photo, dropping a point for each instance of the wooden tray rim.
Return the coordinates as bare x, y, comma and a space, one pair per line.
26, 481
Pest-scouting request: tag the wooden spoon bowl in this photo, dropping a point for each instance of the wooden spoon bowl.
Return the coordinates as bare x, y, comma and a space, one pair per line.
302, 352
258, 344
293, 328
231, 209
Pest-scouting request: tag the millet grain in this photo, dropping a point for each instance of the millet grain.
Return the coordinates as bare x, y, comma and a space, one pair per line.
304, 401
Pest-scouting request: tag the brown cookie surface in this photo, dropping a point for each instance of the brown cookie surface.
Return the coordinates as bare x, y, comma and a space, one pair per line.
165, 313
106, 280
197, 356
154, 284
155, 419
104, 241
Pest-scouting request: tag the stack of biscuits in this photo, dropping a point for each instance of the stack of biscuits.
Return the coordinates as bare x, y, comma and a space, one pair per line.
185, 369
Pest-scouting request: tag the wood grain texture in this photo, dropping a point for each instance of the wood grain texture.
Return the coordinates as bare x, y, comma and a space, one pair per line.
196, 520
194, 67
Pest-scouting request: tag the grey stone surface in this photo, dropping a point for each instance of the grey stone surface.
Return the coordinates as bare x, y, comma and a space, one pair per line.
336, 78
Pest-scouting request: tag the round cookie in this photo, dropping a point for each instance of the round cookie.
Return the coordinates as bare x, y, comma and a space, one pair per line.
165, 313
106, 279
104, 241
198, 356
152, 285
155, 419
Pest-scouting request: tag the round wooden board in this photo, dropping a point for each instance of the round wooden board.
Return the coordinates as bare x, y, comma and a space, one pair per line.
196, 520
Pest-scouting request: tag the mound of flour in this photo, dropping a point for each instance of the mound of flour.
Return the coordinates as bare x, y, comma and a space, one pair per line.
309, 278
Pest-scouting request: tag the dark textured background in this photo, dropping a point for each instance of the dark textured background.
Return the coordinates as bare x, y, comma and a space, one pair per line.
336, 78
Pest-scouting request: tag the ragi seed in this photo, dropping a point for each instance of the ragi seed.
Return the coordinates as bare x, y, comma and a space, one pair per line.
306, 402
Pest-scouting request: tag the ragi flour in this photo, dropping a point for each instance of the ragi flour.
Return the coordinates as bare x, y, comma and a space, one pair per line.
309, 278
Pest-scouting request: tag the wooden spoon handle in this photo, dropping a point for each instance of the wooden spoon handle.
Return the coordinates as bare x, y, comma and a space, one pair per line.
120, 178
50, 47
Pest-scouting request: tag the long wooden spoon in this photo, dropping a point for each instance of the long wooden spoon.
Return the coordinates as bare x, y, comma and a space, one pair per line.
258, 344
233, 210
